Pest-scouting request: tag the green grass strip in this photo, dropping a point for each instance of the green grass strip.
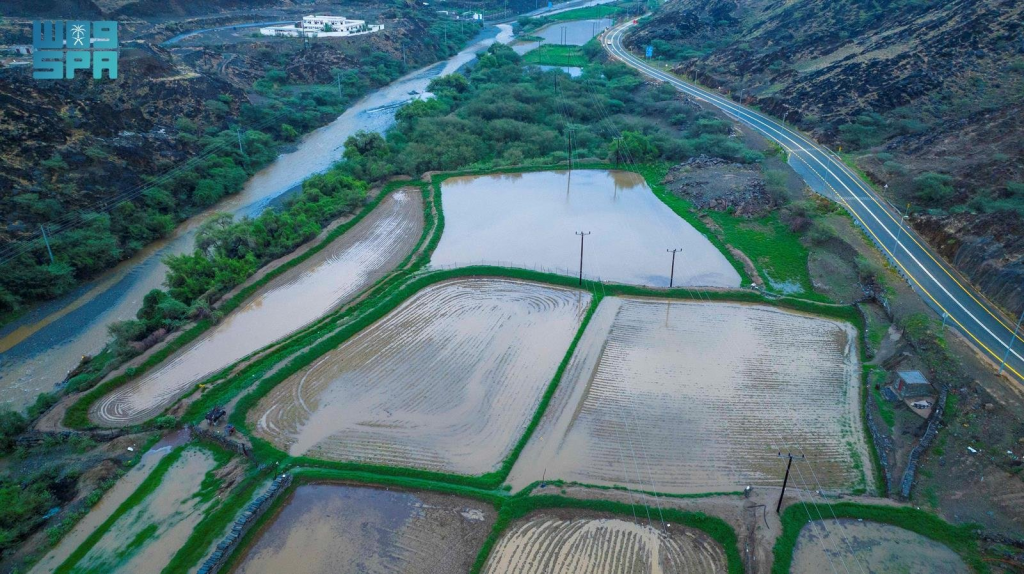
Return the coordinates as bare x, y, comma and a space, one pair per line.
586, 13
148, 486
960, 539
376, 308
212, 527
267, 451
556, 55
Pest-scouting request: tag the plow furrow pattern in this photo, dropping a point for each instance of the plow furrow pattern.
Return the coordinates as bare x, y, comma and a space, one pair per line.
331, 277
695, 397
543, 544
447, 381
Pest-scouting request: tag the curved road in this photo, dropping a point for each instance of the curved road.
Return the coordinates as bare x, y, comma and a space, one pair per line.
942, 287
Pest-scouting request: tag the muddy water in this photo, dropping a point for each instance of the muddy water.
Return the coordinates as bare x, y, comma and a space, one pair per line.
572, 33
573, 71
146, 537
331, 277
688, 397
447, 381
332, 528
530, 220
543, 543
38, 350
99, 514
870, 547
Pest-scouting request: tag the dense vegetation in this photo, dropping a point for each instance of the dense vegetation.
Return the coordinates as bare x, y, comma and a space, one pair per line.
505, 115
228, 142
229, 251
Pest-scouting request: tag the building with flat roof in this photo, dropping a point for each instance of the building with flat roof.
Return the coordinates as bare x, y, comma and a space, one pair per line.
911, 385
318, 26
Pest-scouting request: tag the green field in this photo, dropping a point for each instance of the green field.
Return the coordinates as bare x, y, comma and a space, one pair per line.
588, 13
555, 55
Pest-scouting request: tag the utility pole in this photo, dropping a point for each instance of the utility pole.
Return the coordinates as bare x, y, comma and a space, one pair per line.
238, 132
778, 507
582, 235
1008, 347
46, 240
899, 231
672, 273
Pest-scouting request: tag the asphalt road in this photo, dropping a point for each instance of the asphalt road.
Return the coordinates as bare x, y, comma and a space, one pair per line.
942, 287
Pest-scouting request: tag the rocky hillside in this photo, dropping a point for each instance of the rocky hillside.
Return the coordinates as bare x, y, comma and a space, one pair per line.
926, 96
85, 9
72, 148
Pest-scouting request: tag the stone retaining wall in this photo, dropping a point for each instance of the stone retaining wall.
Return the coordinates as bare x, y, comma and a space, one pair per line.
253, 511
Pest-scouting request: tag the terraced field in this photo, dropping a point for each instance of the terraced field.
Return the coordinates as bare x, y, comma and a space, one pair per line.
546, 542
689, 397
529, 220
870, 547
326, 280
146, 536
448, 381
327, 528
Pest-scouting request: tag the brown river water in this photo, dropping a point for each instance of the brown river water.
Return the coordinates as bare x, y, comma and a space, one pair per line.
39, 349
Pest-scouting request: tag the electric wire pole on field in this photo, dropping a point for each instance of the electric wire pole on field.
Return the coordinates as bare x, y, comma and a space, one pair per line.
672, 273
582, 235
778, 507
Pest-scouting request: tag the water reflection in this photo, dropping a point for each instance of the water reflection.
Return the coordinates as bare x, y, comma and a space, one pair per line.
529, 220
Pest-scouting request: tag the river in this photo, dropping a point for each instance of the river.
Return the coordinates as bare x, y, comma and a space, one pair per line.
38, 350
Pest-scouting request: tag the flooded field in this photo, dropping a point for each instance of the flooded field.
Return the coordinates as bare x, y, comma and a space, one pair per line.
871, 547
447, 381
572, 33
146, 537
689, 397
333, 528
546, 542
530, 220
40, 348
329, 278
112, 499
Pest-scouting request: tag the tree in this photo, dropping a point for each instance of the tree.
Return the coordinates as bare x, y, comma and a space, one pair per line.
933, 188
632, 147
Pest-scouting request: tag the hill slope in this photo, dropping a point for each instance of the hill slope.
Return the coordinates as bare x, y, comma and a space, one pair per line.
925, 95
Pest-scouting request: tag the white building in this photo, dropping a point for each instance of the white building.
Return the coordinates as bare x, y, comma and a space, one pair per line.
315, 26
